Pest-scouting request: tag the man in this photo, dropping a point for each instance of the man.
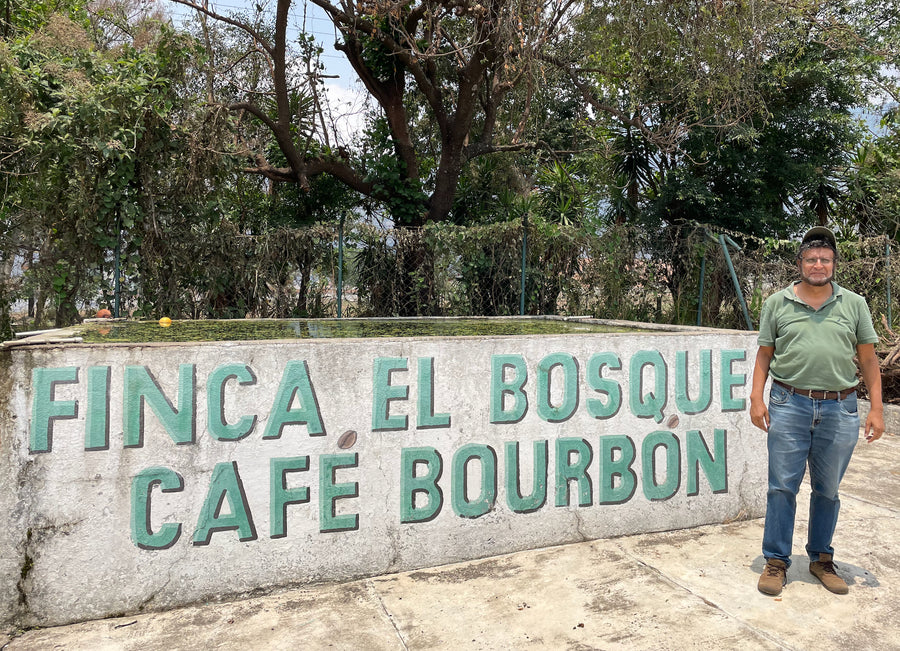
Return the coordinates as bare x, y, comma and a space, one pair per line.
808, 336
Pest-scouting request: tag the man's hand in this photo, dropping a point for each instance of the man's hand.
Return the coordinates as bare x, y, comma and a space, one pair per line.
874, 425
871, 374
759, 414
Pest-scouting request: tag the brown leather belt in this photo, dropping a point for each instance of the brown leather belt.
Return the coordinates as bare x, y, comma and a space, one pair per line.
816, 394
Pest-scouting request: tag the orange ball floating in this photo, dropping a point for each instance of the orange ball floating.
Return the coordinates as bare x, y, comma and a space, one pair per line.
165, 322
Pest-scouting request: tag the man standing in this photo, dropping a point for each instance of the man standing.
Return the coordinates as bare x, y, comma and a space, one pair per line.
808, 336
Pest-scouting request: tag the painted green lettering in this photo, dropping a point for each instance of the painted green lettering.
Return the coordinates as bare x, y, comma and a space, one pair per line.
142, 486
459, 481
729, 380
648, 405
96, 427
597, 407
715, 467
141, 387
569, 404
295, 383
383, 392
654, 491
501, 388
45, 409
538, 496
682, 401
427, 484
280, 496
618, 481
425, 416
330, 492
218, 427
573, 457
225, 485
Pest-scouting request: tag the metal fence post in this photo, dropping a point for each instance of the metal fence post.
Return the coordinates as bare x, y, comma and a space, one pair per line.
524, 259
340, 278
887, 264
734, 278
117, 287
700, 293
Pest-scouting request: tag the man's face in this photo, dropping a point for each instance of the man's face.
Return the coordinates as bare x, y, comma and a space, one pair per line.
817, 266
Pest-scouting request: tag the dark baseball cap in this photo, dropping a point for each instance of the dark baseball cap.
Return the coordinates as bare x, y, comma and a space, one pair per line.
820, 233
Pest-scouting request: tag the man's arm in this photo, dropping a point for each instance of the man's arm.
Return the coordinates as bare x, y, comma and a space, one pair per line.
871, 374
759, 414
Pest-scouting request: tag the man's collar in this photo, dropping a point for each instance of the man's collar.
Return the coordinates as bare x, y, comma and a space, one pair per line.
836, 290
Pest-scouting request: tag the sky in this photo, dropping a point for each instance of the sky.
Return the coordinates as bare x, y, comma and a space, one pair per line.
344, 92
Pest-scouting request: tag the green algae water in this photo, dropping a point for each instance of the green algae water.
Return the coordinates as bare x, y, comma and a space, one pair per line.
252, 330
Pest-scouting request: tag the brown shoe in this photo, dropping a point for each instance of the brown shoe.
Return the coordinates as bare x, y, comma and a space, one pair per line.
824, 569
773, 577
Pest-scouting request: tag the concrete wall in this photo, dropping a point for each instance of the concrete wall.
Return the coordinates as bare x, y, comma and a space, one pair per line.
138, 477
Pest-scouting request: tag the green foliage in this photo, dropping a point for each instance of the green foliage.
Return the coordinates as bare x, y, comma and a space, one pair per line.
477, 270
89, 137
378, 58
489, 191
870, 201
773, 173
229, 274
29, 16
118, 150
562, 194
403, 195
739, 115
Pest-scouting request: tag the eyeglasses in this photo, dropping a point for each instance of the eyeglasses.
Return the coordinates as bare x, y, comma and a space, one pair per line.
823, 261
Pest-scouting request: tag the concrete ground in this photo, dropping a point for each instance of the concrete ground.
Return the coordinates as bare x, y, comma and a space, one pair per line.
690, 589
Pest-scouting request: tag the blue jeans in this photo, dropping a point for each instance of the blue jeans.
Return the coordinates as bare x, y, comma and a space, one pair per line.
822, 433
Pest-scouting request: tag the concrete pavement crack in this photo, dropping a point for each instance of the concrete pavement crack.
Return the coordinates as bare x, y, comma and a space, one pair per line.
677, 584
373, 592
850, 496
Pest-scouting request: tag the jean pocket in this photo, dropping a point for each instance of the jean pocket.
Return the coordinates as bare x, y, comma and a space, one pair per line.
778, 395
849, 405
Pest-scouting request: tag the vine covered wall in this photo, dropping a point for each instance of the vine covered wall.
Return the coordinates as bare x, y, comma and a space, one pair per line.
622, 273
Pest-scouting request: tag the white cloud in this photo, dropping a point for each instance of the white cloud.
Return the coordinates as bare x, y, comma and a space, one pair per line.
348, 111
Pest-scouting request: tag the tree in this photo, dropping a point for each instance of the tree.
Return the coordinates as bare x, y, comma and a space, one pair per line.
91, 138
459, 59
870, 199
664, 69
441, 74
747, 134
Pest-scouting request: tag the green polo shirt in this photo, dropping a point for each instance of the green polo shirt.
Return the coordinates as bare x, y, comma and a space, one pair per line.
814, 349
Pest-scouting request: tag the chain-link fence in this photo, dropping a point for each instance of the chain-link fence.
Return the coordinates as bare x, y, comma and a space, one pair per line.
691, 274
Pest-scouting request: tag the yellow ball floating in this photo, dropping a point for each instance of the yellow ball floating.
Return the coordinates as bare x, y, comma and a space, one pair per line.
165, 322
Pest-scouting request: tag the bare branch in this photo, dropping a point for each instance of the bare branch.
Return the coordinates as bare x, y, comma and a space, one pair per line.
231, 21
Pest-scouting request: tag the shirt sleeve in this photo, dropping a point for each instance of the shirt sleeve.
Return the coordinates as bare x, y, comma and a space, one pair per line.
865, 330
766, 325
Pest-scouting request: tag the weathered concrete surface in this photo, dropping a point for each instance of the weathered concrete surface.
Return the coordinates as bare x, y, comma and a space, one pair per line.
691, 589
144, 477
